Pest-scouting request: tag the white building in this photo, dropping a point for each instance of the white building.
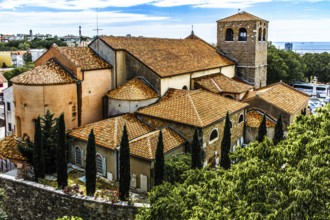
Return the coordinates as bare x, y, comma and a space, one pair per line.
9, 111
36, 53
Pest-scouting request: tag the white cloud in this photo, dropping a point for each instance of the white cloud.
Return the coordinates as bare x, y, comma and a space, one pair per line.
66, 22
89, 4
300, 30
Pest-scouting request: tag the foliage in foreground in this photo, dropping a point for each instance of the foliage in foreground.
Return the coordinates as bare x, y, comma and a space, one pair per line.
287, 181
70, 218
3, 215
175, 166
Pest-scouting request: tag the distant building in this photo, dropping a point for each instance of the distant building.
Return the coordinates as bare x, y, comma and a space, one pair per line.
36, 53
9, 111
288, 46
17, 58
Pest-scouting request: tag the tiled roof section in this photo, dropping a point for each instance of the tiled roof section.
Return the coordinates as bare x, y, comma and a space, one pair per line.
133, 90
219, 83
83, 57
49, 73
108, 132
254, 118
242, 16
196, 107
8, 149
282, 96
145, 146
169, 57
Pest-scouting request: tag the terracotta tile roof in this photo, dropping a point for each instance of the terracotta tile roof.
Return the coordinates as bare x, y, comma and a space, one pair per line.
49, 73
242, 16
169, 57
282, 96
254, 118
108, 132
219, 83
133, 90
195, 107
8, 149
146, 145
83, 57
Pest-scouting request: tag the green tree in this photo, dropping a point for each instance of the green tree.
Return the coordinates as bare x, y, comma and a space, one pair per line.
317, 64
38, 152
262, 130
125, 175
4, 65
175, 166
48, 127
27, 57
286, 181
90, 169
61, 155
226, 144
287, 66
278, 134
196, 154
159, 160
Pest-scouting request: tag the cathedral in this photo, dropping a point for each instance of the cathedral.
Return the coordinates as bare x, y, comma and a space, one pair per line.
152, 85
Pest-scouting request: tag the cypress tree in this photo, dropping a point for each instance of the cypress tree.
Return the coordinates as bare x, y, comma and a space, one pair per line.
262, 130
38, 153
279, 134
61, 155
48, 128
225, 145
125, 175
196, 154
90, 169
159, 162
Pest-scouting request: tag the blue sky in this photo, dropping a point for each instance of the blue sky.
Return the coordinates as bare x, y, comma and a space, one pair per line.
296, 20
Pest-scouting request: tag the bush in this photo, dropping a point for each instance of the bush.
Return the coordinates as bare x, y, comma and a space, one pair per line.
73, 190
175, 166
70, 218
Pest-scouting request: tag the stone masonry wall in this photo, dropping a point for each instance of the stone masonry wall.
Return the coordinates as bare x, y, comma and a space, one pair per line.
28, 200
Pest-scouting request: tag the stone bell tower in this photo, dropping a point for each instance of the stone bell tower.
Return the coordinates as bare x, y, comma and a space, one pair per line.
243, 37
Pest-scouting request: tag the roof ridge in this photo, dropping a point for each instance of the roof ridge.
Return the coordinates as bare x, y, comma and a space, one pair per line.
195, 109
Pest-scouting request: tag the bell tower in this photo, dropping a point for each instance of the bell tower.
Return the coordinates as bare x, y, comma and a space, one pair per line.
244, 37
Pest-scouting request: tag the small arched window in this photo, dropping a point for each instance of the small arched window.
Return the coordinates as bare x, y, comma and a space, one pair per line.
260, 34
241, 118
264, 35
229, 96
99, 164
78, 155
214, 135
229, 34
185, 87
242, 34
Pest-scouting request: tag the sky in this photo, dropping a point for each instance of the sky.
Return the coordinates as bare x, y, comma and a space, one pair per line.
290, 20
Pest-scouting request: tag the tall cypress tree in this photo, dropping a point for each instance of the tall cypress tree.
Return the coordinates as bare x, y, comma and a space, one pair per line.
61, 155
262, 131
90, 169
159, 162
48, 128
279, 134
125, 170
196, 154
38, 153
225, 144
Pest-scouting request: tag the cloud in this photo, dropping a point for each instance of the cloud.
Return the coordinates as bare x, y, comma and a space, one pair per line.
92, 4
57, 22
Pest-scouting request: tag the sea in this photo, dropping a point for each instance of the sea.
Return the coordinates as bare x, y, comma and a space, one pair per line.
306, 47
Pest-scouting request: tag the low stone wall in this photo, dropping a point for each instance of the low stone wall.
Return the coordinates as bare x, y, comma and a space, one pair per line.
29, 200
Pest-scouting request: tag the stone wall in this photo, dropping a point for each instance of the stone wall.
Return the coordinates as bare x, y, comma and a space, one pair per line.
28, 200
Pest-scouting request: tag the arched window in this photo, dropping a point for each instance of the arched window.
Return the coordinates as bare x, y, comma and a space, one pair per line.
242, 34
99, 164
229, 34
78, 155
185, 87
264, 35
241, 118
214, 135
260, 34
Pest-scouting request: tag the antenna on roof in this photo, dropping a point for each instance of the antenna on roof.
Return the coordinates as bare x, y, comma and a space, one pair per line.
97, 23
239, 10
192, 31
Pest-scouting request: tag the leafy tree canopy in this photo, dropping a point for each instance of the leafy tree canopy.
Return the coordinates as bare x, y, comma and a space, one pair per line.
287, 181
